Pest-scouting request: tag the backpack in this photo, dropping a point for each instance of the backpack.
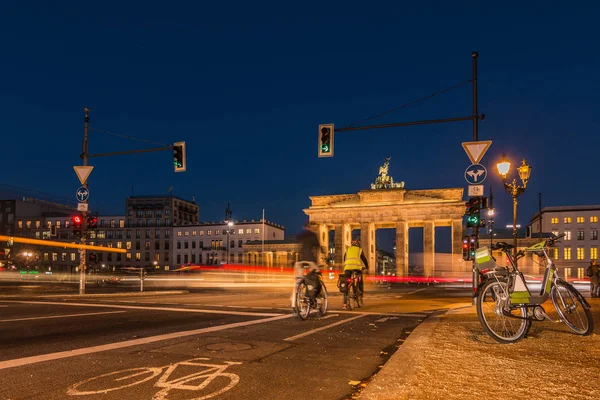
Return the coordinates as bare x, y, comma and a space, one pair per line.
313, 284
588, 271
342, 283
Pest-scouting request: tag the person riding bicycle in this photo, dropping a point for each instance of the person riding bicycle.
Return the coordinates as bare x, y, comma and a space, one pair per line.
353, 262
309, 251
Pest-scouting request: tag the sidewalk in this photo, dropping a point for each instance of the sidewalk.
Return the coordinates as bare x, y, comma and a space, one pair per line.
449, 356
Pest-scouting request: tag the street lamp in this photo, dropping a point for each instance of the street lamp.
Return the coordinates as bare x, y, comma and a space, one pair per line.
229, 227
514, 189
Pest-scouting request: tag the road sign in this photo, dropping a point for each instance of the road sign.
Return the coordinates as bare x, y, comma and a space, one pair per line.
476, 150
82, 207
475, 190
83, 171
475, 174
82, 194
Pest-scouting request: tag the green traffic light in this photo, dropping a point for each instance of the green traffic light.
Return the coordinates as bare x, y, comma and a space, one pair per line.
325, 148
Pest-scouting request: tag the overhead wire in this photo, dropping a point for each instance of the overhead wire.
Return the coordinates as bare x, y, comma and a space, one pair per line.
410, 103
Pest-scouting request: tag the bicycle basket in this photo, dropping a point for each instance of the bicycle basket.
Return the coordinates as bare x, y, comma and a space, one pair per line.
483, 259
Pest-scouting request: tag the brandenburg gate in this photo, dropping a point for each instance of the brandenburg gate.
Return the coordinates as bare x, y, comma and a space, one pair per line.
389, 205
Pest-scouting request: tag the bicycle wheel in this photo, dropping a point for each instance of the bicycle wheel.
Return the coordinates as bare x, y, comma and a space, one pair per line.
494, 312
302, 302
571, 310
354, 296
322, 300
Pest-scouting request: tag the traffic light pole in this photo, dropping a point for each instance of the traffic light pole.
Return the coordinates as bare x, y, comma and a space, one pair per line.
83, 252
475, 274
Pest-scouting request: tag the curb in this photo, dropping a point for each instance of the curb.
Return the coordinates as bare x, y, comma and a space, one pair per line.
84, 296
392, 381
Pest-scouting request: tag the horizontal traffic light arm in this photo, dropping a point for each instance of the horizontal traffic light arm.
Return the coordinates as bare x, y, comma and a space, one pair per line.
117, 153
53, 243
397, 124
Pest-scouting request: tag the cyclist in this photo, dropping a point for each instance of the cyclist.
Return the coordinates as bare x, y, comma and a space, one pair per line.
309, 250
353, 262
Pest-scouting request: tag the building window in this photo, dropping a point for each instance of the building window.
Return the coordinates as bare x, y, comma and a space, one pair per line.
137, 245
72, 256
20, 224
594, 219
112, 223
156, 256
554, 220
121, 223
567, 273
593, 253
580, 235
128, 256
119, 245
166, 256
157, 234
248, 230
567, 235
167, 233
193, 258
147, 233
185, 245
240, 242
147, 245
138, 256
57, 224
38, 224
146, 256
157, 245
580, 220
127, 234
178, 258
580, 253
137, 233
193, 233
178, 244
128, 245
193, 244
232, 244
208, 233
567, 253
101, 235
166, 245
594, 235
217, 232
580, 273
201, 233
567, 220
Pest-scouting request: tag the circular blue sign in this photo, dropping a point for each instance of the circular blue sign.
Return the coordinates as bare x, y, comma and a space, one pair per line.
82, 194
475, 174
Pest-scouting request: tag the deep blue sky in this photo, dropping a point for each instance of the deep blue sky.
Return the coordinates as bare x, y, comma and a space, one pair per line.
246, 84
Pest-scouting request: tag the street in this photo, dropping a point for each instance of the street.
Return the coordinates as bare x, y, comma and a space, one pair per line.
212, 343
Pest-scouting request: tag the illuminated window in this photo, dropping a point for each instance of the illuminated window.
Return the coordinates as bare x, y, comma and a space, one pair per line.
54, 256
594, 218
121, 223
218, 232
201, 233
241, 231
128, 256
256, 230
38, 224
567, 235
248, 230
567, 253
554, 220
580, 220
193, 233
567, 273
567, 220
208, 233
580, 273
594, 235
128, 245
593, 253
20, 224
580, 253
186, 233
119, 245
554, 233
138, 256
554, 253
580, 235
178, 233
112, 223
72, 256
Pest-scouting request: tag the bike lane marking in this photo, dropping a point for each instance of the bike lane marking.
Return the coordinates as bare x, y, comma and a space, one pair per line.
18, 362
192, 310
60, 316
301, 335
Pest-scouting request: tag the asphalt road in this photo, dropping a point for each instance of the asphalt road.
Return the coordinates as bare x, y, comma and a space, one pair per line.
226, 344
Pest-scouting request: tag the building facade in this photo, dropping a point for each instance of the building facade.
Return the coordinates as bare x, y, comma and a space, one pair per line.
580, 244
217, 243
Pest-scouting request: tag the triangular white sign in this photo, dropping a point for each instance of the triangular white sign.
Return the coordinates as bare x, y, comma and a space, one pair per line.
476, 150
83, 171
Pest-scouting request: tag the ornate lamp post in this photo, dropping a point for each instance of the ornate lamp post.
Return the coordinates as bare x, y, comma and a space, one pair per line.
229, 228
514, 189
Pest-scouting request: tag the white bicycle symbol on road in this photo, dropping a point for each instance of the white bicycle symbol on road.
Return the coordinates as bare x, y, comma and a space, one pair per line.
134, 376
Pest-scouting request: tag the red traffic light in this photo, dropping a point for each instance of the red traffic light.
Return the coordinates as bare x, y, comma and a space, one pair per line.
77, 219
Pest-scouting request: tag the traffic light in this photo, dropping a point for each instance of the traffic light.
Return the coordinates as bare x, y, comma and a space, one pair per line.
77, 223
472, 246
179, 156
465, 248
326, 140
92, 222
473, 212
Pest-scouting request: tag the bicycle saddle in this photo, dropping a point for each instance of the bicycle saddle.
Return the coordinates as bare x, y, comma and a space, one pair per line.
502, 246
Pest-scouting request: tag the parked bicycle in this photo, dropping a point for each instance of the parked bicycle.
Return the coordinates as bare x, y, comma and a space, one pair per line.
350, 288
506, 307
311, 293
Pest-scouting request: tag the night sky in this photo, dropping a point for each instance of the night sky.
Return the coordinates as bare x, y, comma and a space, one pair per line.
246, 85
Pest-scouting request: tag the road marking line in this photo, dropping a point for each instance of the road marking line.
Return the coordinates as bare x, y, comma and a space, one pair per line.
416, 315
18, 362
214, 305
330, 316
60, 316
301, 335
192, 310
262, 308
415, 291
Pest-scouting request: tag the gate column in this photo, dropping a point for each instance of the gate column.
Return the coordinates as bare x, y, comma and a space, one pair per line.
401, 249
367, 243
323, 234
343, 234
457, 237
428, 248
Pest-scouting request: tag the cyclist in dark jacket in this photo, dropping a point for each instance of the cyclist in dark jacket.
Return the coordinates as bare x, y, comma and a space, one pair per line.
309, 253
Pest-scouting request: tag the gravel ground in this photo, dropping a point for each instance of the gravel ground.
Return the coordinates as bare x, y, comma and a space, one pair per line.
449, 356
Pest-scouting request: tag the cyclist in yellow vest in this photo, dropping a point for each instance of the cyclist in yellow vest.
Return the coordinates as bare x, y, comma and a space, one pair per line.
353, 262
